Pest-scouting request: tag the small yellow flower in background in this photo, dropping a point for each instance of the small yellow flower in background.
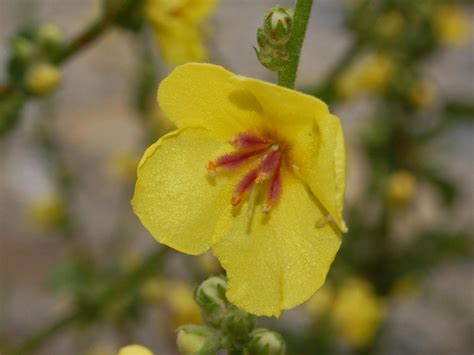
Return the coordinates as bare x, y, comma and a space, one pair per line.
401, 187
47, 213
321, 302
42, 78
452, 25
270, 202
178, 27
134, 350
358, 312
123, 166
154, 291
370, 74
179, 298
423, 94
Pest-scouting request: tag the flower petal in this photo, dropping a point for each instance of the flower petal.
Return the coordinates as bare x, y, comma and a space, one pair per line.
276, 261
313, 132
199, 94
181, 44
175, 198
282, 108
323, 166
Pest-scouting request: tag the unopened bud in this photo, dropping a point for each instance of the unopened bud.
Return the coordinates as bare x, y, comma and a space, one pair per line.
42, 78
195, 339
278, 25
50, 36
275, 59
266, 342
273, 37
401, 187
23, 48
134, 350
210, 296
238, 325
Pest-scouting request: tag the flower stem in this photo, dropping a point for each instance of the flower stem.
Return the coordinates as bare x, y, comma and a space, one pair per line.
287, 76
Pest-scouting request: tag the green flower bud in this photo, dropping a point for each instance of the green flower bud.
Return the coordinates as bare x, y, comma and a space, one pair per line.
278, 25
23, 48
210, 296
238, 325
266, 342
50, 36
275, 59
196, 339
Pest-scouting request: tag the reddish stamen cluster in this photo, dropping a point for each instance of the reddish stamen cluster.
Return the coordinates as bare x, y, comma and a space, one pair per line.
248, 147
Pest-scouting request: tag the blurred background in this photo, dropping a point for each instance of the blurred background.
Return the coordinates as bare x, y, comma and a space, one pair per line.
80, 275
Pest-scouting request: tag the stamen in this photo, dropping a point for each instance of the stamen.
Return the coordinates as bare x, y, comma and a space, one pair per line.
246, 184
275, 189
235, 159
248, 140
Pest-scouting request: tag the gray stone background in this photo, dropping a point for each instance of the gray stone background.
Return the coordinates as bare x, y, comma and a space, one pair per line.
94, 121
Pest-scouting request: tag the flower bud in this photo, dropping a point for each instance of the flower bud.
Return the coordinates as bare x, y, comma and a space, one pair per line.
238, 325
266, 342
272, 38
42, 78
278, 25
210, 296
23, 48
50, 36
134, 350
401, 187
195, 339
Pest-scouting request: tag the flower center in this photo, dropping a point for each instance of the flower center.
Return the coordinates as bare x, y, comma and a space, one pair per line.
264, 156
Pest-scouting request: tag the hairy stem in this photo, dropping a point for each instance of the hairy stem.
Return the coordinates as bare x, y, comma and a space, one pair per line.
287, 76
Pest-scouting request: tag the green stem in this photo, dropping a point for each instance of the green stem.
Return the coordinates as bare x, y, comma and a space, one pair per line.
287, 76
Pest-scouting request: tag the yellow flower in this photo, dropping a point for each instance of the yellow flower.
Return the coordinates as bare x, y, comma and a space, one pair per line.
321, 302
370, 74
178, 27
451, 25
401, 187
423, 94
42, 78
358, 312
134, 350
179, 297
270, 204
48, 213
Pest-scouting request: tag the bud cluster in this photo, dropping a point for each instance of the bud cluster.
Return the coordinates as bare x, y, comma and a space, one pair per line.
273, 37
227, 327
31, 66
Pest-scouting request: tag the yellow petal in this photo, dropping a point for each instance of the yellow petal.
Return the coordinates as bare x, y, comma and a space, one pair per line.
197, 10
283, 109
323, 166
181, 44
175, 198
134, 350
315, 136
201, 95
276, 261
